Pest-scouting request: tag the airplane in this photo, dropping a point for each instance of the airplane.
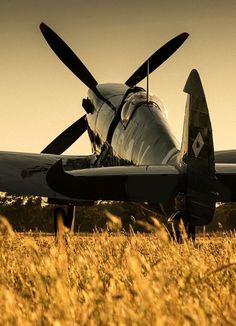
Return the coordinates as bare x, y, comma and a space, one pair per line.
135, 155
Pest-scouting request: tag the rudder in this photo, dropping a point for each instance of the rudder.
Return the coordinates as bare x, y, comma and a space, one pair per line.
197, 155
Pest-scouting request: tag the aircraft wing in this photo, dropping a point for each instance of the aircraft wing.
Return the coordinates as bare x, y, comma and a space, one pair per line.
69, 178
226, 182
158, 183
25, 174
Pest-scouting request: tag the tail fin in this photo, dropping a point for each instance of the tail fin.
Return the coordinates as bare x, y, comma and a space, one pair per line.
197, 155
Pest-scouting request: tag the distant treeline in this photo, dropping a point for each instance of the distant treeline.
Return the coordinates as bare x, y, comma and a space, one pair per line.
31, 213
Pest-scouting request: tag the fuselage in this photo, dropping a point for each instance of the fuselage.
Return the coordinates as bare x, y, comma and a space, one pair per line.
130, 127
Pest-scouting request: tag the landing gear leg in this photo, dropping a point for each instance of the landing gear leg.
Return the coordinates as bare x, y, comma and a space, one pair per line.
176, 233
59, 218
191, 231
70, 216
62, 220
175, 221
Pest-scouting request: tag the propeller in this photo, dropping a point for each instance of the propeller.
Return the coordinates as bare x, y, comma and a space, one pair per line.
68, 57
160, 56
67, 137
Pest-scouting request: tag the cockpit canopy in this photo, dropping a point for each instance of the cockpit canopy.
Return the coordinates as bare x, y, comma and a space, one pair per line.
134, 100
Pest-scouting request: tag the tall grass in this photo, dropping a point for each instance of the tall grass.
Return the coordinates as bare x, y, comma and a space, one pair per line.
116, 280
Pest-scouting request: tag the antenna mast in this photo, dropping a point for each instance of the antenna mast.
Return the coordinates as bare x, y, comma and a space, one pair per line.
148, 81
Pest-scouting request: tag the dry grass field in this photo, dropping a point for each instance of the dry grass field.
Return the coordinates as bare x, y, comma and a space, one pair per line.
107, 279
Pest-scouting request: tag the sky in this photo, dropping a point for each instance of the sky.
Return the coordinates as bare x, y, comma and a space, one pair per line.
40, 97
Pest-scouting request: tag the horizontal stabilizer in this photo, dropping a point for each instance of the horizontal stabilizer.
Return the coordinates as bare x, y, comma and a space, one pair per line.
134, 183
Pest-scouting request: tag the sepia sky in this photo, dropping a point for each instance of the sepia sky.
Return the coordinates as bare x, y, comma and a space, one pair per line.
40, 97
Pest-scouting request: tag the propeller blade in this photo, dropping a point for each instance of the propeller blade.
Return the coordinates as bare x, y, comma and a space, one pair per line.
67, 137
160, 56
68, 57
